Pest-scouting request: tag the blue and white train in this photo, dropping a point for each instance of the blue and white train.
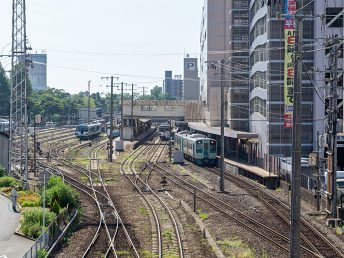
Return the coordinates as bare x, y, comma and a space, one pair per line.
196, 147
88, 131
4, 125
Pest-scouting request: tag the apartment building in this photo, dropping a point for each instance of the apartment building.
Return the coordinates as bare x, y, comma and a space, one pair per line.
267, 57
331, 25
214, 47
224, 37
173, 86
250, 37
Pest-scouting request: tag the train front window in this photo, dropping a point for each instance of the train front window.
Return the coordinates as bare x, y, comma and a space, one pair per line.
163, 129
199, 148
82, 128
212, 148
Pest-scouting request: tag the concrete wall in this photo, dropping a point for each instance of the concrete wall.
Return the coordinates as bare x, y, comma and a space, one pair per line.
4, 142
306, 196
191, 79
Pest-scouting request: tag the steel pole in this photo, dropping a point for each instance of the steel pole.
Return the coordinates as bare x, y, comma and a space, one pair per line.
122, 111
222, 181
89, 102
334, 85
294, 248
132, 112
111, 122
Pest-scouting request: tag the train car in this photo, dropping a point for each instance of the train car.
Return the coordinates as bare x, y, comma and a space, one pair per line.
164, 131
85, 131
178, 138
115, 133
4, 125
198, 148
102, 122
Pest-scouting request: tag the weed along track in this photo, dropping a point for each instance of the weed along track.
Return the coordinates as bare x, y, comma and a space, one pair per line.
167, 240
217, 203
310, 236
110, 233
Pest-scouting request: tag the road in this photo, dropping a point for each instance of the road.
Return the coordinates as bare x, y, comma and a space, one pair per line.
11, 246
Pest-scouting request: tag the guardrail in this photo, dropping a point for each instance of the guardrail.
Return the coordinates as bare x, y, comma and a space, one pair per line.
51, 234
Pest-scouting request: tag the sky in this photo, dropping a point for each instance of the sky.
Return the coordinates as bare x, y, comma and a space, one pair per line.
85, 40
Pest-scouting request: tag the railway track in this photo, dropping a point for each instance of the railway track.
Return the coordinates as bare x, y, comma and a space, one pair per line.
110, 225
260, 229
167, 243
309, 234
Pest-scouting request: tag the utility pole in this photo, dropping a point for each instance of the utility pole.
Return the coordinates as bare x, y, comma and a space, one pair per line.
111, 117
132, 112
318, 172
111, 122
332, 112
222, 175
169, 141
122, 110
294, 248
34, 148
89, 102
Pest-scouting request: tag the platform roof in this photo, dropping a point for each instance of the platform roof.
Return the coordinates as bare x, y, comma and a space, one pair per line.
199, 126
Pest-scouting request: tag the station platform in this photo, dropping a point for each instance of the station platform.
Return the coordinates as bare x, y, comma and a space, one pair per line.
132, 145
253, 172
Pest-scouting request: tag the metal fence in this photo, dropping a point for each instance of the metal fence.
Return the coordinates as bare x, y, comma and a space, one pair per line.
49, 235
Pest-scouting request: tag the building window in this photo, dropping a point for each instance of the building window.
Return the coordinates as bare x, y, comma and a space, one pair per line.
331, 13
258, 80
148, 108
258, 105
144, 108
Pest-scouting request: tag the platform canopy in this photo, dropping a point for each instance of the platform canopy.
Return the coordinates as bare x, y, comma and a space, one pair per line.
200, 126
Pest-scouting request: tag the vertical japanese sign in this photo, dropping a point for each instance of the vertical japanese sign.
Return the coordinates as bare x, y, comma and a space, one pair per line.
289, 47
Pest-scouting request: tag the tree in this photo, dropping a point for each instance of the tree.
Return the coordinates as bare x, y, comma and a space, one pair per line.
5, 93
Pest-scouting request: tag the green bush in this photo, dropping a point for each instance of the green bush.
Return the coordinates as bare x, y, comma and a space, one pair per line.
42, 253
54, 181
33, 220
2, 171
54, 198
55, 207
35, 231
7, 181
65, 193
30, 203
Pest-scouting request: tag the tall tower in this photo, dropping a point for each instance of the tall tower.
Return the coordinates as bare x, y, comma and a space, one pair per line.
18, 152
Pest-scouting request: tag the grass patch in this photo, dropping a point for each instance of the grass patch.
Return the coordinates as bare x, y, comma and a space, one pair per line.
279, 190
236, 248
143, 211
167, 234
203, 216
147, 254
83, 179
339, 231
